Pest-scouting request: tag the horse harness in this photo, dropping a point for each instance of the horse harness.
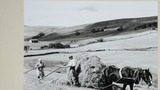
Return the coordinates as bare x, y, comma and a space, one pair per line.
133, 77
120, 74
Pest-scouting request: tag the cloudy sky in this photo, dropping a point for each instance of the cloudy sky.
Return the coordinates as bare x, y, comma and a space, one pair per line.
70, 13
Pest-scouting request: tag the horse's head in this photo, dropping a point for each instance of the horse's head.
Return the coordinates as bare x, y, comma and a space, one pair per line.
147, 76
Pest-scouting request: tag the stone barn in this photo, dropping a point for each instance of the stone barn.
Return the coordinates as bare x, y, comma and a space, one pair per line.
33, 40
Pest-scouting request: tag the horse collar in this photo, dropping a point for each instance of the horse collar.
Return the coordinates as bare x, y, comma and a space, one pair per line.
135, 72
120, 73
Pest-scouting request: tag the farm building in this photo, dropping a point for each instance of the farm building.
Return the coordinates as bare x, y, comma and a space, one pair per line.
74, 45
33, 40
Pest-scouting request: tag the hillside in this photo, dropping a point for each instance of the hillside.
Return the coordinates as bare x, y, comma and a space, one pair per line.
111, 29
30, 31
98, 29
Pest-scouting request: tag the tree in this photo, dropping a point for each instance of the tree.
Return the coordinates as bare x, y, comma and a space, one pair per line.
77, 33
38, 35
120, 29
26, 48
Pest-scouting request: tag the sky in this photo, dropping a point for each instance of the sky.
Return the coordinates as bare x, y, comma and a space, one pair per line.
71, 13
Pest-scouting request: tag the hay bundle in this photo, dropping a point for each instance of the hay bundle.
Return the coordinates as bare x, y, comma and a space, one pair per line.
88, 70
62, 81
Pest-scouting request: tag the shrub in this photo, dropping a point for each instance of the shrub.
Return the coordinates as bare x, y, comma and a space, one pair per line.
93, 31
67, 46
91, 42
38, 35
120, 29
77, 33
26, 48
41, 34
105, 27
58, 45
44, 47
153, 28
97, 30
100, 40
101, 30
51, 45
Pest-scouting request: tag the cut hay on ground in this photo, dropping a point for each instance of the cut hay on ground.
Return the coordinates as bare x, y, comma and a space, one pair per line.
62, 81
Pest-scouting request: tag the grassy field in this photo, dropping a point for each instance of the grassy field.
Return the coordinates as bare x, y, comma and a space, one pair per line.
114, 54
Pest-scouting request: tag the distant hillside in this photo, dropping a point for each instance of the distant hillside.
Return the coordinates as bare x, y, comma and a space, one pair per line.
30, 31
98, 29
128, 23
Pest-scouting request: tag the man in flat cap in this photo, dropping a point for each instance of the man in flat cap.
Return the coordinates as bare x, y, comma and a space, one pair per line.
71, 71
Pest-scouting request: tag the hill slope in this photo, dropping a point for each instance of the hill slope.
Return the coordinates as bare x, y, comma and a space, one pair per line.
98, 29
30, 31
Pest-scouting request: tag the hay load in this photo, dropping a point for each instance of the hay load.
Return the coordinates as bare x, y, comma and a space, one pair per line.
88, 70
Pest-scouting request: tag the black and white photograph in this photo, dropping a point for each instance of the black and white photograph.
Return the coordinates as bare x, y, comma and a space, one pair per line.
90, 45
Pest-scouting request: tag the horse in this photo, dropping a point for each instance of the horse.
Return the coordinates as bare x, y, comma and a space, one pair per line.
126, 76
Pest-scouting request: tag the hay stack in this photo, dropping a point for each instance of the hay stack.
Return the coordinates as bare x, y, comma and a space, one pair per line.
88, 69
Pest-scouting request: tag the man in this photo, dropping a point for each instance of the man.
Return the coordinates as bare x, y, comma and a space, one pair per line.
40, 69
71, 71
72, 63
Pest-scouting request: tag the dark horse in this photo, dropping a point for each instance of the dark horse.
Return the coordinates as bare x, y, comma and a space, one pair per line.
126, 76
